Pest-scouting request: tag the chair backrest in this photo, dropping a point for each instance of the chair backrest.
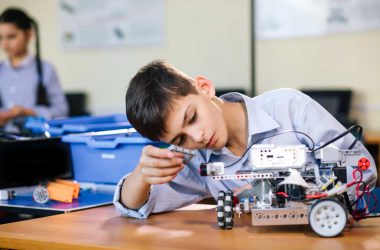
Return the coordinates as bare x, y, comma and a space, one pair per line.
220, 92
77, 102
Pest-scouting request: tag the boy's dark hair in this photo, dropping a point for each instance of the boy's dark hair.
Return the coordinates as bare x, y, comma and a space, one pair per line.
150, 95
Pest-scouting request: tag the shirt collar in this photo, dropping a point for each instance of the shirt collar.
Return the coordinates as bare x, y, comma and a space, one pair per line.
259, 121
27, 61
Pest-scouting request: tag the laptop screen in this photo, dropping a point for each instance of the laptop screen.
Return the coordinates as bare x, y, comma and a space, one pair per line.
28, 162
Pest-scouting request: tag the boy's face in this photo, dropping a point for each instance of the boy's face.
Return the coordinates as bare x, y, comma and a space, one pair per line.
196, 121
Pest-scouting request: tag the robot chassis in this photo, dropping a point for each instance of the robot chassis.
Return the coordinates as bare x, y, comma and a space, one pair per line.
285, 189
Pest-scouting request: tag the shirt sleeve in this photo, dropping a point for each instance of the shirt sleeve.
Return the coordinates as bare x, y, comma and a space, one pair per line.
187, 188
58, 104
144, 210
321, 126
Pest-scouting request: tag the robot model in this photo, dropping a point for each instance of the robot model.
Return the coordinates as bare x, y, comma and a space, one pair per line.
285, 189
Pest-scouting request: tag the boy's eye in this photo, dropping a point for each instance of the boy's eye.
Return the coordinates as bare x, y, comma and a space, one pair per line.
181, 140
193, 118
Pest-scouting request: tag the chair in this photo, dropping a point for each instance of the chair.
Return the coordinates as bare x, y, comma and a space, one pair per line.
220, 92
77, 102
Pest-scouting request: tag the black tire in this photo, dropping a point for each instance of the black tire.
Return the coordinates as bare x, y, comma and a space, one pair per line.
220, 210
228, 210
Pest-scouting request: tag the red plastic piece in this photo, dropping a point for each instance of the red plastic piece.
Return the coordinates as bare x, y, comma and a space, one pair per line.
364, 163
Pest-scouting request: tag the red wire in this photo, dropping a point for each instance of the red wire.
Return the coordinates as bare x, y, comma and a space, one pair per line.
365, 194
359, 194
316, 196
354, 177
283, 194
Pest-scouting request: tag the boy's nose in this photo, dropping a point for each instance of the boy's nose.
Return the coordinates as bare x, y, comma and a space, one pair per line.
198, 135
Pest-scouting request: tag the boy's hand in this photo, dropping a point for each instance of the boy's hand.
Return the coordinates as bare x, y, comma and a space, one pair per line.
158, 165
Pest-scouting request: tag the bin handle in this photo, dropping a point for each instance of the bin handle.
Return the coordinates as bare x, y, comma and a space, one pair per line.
102, 144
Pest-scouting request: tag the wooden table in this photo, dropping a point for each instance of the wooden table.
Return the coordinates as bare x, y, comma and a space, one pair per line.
103, 228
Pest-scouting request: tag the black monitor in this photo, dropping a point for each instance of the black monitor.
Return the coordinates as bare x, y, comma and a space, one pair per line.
222, 91
28, 162
337, 102
77, 102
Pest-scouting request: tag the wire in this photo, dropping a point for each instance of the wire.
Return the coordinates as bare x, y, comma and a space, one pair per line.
266, 137
283, 194
357, 138
356, 179
360, 212
313, 149
360, 196
316, 196
361, 203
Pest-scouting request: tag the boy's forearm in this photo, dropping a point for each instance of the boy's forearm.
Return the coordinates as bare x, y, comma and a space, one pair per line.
134, 191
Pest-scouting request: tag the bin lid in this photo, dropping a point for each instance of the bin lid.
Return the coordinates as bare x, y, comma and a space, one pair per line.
109, 138
58, 127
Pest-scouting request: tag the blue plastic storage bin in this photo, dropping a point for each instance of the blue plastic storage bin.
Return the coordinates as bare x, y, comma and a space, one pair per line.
376, 193
107, 156
80, 124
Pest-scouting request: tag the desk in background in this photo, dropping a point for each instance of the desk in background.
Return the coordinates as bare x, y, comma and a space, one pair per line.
104, 228
23, 202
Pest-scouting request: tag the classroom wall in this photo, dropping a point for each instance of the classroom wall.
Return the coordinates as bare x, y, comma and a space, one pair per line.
212, 38
350, 60
203, 37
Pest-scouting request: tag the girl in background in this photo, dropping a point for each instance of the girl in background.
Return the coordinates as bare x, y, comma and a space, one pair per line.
28, 85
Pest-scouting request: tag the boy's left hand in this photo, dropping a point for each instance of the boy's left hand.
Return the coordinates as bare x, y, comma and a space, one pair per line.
158, 165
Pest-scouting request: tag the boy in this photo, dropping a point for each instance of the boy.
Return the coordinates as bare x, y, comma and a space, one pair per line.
162, 103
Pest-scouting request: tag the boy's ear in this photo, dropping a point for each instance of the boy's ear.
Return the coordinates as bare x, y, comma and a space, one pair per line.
205, 86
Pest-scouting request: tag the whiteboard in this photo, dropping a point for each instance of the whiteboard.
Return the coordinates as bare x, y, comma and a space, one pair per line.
282, 19
102, 23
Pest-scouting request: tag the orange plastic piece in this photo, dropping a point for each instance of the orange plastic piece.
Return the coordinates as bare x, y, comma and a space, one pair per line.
60, 192
73, 184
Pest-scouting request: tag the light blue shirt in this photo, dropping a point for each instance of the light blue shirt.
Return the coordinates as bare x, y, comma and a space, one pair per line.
268, 114
18, 86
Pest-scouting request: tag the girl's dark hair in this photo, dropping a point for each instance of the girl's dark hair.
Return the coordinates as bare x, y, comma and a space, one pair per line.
22, 21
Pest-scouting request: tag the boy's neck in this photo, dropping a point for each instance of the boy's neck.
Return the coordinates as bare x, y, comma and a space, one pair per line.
235, 115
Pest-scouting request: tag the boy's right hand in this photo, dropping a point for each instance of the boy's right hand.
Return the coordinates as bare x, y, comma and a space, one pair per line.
159, 165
